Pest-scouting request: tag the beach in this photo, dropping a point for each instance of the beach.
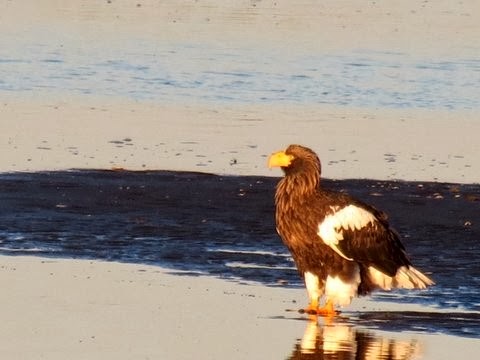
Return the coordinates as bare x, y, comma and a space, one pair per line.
417, 145
99, 99
95, 310
437, 28
83, 309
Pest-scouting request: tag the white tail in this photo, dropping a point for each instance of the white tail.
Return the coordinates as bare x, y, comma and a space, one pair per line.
411, 278
405, 278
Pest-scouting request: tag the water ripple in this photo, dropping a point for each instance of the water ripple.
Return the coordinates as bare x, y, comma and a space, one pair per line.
238, 75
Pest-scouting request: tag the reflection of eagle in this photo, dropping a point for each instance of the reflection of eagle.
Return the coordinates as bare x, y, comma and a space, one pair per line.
344, 341
341, 246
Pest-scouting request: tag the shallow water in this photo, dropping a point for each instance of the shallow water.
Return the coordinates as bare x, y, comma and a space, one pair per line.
224, 226
105, 50
193, 72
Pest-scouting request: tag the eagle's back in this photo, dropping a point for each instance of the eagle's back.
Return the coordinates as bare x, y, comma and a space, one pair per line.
297, 224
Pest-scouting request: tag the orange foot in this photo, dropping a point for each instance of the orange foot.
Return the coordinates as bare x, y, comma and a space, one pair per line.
313, 309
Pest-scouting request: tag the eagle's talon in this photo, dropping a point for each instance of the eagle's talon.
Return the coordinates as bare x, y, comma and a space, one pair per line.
327, 311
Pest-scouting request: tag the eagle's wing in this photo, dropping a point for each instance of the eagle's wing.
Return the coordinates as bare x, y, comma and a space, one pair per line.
360, 233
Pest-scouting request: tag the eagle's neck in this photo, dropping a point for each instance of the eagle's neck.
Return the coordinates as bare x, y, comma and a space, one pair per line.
297, 188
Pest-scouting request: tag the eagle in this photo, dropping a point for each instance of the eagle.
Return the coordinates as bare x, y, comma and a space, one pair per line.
342, 247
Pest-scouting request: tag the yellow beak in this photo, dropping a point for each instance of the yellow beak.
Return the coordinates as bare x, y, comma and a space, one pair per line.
280, 159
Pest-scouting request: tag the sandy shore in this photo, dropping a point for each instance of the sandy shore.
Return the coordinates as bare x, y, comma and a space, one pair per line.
436, 28
94, 310
353, 143
82, 309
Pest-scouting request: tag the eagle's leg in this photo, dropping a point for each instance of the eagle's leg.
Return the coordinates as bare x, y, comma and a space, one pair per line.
314, 294
312, 307
313, 290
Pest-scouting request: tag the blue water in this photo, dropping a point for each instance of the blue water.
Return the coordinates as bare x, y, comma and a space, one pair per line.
191, 73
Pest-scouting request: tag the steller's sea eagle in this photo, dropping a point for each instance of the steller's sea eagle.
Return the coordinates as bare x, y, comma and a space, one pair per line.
341, 246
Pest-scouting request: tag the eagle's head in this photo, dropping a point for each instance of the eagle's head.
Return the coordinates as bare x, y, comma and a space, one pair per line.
301, 166
296, 158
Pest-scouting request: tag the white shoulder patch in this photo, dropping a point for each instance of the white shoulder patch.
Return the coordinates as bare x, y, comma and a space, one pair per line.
350, 217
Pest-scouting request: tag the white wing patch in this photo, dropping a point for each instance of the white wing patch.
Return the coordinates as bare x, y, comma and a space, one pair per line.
350, 217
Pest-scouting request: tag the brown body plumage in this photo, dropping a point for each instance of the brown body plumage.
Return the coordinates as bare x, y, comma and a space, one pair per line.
342, 246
